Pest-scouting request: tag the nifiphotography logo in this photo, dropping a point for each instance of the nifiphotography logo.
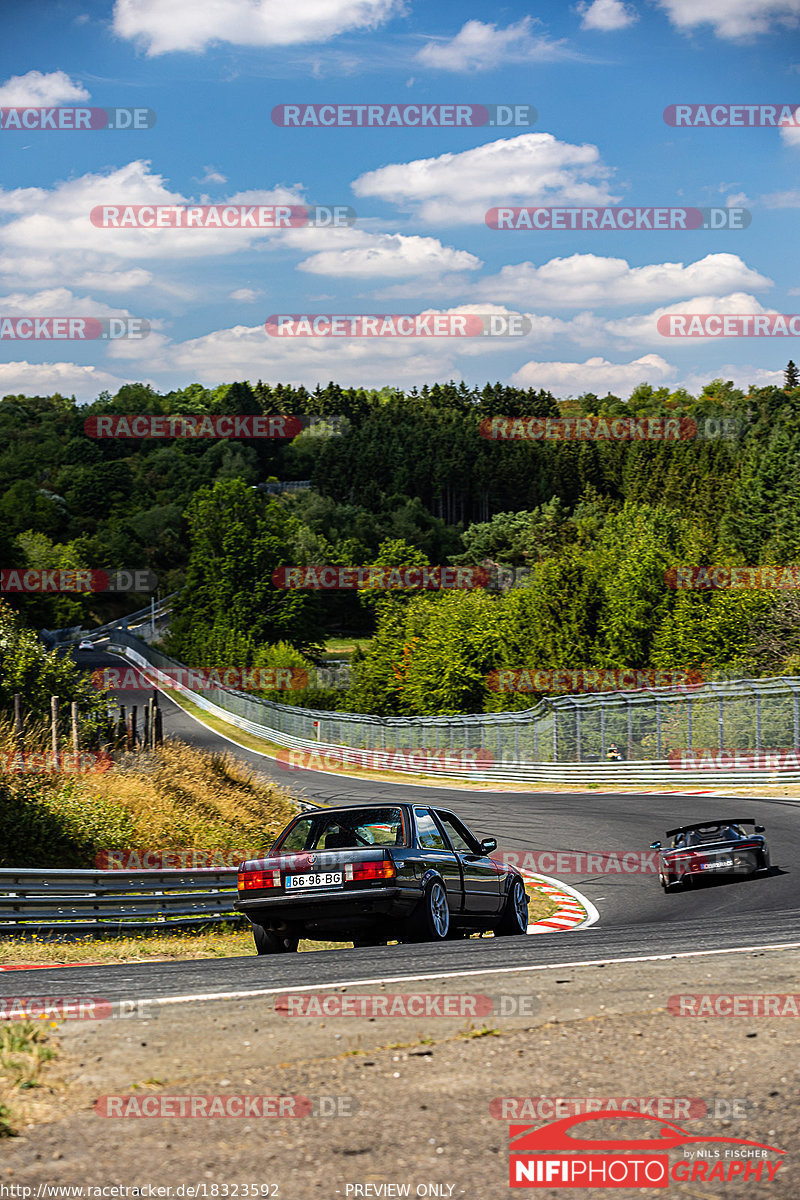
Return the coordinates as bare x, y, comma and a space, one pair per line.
552, 1157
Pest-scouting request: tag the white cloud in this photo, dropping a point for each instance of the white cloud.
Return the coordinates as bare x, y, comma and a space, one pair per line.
369, 256
607, 15
246, 295
534, 168
733, 19
57, 302
789, 199
37, 90
169, 25
643, 327
213, 176
737, 200
742, 377
790, 134
481, 47
42, 379
596, 375
586, 279
46, 235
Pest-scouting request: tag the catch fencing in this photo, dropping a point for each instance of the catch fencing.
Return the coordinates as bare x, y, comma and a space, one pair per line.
651, 728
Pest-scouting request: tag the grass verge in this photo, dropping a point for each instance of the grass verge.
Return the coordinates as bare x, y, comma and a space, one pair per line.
25, 1047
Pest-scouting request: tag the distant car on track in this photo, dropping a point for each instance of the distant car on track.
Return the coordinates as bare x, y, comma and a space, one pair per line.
378, 873
85, 644
711, 848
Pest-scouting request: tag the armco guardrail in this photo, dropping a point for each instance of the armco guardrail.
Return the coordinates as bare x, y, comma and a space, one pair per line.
100, 903
57, 637
484, 732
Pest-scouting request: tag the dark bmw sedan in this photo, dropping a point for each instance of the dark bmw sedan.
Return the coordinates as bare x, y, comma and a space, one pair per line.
375, 874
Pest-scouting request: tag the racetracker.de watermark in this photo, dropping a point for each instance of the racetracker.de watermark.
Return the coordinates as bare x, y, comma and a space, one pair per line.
611, 218
78, 329
398, 325
259, 1107
728, 1004
708, 759
73, 118
666, 1108
171, 860
420, 760
404, 1004
740, 116
336, 578
222, 216
74, 1008
254, 679
410, 116
620, 679
231, 425
709, 578
77, 579
24, 762
607, 429
715, 325
580, 862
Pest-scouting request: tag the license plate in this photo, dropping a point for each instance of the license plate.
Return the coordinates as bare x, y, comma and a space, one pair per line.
317, 880
719, 865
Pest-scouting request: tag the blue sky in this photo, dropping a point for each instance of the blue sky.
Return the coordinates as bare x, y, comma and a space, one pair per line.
599, 75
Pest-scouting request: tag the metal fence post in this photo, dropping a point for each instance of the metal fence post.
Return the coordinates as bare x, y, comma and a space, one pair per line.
658, 728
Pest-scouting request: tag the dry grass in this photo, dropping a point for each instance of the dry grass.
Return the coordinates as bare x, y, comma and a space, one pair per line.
25, 1047
180, 797
173, 798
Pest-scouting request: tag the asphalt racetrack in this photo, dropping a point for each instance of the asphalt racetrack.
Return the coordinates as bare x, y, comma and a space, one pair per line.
636, 918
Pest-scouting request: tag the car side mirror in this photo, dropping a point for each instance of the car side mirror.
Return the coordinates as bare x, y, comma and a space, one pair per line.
655, 845
488, 845
760, 829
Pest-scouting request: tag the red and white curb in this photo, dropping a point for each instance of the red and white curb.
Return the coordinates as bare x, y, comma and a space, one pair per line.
573, 911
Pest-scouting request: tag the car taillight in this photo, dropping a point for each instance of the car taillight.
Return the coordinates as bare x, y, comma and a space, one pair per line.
363, 871
257, 879
748, 846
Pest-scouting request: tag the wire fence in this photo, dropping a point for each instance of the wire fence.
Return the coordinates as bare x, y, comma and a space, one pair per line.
648, 724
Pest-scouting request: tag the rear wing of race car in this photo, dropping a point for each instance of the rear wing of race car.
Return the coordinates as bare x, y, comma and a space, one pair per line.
710, 824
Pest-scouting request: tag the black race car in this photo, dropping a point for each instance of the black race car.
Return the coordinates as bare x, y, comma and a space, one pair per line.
711, 848
375, 874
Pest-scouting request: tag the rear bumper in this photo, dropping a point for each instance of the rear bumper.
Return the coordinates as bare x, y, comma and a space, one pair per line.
330, 907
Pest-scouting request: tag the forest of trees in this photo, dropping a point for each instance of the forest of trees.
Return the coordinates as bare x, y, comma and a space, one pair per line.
403, 478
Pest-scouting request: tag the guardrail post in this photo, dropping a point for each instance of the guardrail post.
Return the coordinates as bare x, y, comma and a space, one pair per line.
796, 706
54, 729
555, 735
630, 729
689, 723
121, 725
721, 722
602, 729
658, 729
146, 711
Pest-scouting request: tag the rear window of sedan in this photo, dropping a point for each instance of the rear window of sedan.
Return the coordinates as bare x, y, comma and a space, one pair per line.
341, 831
